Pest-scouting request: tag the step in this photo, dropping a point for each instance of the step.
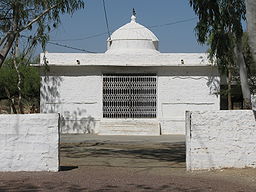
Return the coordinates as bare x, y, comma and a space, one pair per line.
129, 127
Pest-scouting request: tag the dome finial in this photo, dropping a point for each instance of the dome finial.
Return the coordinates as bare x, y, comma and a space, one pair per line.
133, 18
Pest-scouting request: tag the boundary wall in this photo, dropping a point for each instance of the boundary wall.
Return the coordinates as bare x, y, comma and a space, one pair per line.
220, 139
29, 142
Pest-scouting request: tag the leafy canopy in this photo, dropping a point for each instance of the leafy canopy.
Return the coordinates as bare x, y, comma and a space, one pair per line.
30, 80
34, 17
219, 24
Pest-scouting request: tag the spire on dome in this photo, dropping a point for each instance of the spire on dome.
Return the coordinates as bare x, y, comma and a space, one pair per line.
133, 12
133, 17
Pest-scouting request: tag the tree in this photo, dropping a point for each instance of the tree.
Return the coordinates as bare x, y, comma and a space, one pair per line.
8, 82
251, 25
220, 25
14, 87
37, 16
250, 63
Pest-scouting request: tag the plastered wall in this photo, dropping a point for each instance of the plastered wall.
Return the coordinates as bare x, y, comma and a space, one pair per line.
220, 139
76, 93
29, 142
182, 89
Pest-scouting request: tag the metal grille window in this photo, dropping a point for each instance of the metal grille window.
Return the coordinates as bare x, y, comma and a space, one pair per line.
129, 96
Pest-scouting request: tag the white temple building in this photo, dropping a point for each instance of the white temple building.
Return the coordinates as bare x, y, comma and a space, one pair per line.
131, 89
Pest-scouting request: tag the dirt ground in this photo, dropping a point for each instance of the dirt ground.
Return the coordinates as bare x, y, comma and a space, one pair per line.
128, 166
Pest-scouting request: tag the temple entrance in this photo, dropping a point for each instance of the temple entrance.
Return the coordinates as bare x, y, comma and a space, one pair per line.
129, 95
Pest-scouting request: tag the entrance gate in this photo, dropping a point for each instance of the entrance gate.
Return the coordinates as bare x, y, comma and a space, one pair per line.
129, 95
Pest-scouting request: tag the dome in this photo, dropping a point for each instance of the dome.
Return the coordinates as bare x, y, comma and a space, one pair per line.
132, 38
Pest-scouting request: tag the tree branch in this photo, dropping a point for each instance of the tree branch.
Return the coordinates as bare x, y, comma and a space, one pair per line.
37, 18
3, 39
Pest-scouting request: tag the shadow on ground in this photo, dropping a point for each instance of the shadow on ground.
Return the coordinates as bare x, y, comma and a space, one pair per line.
67, 168
18, 185
161, 153
170, 187
25, 185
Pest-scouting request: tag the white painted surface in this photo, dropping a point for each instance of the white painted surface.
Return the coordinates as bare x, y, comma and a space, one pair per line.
29, 142
147, 127
123, 60
220, 139
76, 98
133, 38
182, 89
77, 95
132, 31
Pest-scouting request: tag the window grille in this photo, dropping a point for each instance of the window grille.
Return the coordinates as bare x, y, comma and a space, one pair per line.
129, 96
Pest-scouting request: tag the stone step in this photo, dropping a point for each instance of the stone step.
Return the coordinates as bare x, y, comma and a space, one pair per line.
129, 127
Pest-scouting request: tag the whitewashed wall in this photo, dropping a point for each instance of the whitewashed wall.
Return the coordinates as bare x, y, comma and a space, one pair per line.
182, 89
220, 139
29, 142
76, 93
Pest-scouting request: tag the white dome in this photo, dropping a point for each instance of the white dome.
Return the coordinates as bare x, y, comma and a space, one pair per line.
132, 38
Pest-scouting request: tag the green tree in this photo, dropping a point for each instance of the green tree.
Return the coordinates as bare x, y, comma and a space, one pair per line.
8, 85
251, 26
37, 16
220, 25
29, 83
250, 63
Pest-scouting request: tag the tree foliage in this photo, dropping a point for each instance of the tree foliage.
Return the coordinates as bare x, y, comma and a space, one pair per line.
30, 81
250, 62
251, 22
37, 16
8, 79
219, 21
220, 25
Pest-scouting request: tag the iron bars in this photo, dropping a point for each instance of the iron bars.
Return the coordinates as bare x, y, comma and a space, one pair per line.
129, 96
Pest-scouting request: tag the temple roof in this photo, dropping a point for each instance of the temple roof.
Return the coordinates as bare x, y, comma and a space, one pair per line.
133, 31
132, 38
130, 45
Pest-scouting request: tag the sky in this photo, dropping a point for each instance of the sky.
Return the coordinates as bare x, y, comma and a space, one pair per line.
86, 29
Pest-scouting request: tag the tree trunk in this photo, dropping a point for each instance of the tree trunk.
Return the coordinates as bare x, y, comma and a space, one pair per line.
243, 75
6, 48
15, 52
251, 25
7, 92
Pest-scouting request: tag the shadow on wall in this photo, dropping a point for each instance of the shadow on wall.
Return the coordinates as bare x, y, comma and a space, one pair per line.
49, 94
77, 122
214, 84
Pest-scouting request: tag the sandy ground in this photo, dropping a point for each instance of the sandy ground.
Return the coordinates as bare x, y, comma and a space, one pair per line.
142, 164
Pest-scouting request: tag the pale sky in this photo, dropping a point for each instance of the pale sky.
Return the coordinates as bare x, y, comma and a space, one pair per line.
165, 15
